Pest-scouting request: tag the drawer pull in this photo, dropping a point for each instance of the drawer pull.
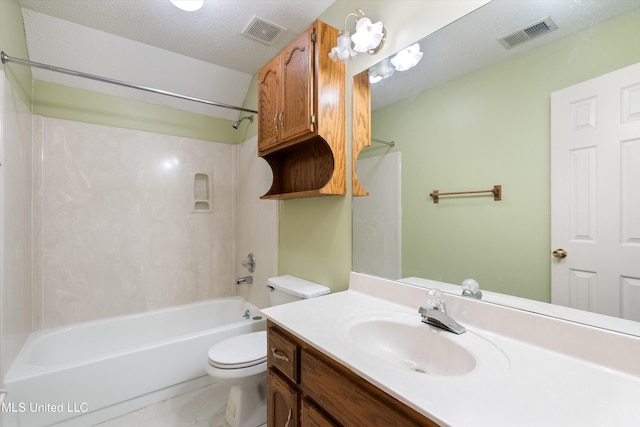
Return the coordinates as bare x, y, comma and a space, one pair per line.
275, 354
288, 419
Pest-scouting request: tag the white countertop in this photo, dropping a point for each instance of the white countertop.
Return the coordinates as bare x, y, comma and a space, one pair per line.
529, 372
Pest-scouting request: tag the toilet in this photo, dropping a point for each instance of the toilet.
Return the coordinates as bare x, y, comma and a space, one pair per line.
241, 361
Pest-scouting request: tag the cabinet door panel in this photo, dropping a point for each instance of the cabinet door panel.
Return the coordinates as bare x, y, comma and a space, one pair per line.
282, 402
269, 108
297, 88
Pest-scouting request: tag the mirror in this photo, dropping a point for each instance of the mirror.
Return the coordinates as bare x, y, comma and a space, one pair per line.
474, 114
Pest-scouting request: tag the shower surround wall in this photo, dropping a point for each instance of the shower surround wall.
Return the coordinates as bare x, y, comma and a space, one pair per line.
16, 306
118, 231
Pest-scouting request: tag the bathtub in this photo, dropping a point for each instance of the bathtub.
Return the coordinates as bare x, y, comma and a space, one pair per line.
89, 372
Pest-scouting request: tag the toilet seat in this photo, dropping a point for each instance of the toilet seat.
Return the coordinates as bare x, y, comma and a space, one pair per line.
241, 351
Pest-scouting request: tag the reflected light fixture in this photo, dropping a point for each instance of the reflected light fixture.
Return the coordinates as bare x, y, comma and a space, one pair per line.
381, 71
188, 5
407, 58
369, 37
404, 60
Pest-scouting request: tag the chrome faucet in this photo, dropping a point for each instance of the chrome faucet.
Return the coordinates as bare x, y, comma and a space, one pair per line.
246, 280
435, 313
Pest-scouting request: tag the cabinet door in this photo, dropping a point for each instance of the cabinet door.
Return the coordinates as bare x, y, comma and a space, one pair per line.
283, 408
269, 104
297, 77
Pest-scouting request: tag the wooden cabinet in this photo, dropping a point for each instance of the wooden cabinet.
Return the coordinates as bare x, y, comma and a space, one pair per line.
268, 105
282, 401
286, 99
301, 117
306, 388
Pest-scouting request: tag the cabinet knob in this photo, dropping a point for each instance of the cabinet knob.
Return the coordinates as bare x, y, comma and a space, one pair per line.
275, 122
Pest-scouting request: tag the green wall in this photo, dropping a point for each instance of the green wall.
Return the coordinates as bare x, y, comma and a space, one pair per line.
492, 127
64, 102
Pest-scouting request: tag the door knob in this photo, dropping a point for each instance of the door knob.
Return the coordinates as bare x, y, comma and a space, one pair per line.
559, 253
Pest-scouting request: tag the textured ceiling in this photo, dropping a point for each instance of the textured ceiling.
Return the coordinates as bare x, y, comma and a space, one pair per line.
472, 43
211, 34
201, 54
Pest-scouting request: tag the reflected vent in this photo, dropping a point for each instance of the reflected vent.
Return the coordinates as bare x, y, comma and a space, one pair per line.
527, 33
263, 31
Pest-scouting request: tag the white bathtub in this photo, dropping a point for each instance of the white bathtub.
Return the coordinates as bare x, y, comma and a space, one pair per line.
88, 370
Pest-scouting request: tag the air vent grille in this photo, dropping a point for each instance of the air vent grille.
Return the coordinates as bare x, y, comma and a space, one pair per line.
263, 31
527, 33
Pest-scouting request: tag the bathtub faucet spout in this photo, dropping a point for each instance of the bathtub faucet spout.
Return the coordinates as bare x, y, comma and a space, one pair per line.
246, 280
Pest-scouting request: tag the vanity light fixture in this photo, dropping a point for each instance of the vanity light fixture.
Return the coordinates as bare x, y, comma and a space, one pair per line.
369, 37
188, 5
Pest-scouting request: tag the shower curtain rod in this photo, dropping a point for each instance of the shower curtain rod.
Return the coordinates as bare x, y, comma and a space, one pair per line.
6, 58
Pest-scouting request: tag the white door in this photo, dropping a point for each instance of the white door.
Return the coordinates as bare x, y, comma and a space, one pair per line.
377, 217
595, 194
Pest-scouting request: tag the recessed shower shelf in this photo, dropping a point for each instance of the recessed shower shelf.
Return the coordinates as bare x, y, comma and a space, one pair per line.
202, 194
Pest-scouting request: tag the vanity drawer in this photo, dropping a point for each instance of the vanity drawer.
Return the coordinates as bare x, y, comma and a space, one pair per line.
283, 353
351, 400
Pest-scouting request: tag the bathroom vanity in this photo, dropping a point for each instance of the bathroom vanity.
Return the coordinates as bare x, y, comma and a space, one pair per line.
363, 357
310, 389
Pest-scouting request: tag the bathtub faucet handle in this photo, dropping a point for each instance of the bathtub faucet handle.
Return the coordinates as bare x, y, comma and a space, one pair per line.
250, 263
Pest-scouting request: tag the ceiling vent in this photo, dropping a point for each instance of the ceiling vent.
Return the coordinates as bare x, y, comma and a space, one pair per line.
527, 33
263, 31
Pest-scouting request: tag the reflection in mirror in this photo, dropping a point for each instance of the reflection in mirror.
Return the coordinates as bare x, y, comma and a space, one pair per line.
474, 114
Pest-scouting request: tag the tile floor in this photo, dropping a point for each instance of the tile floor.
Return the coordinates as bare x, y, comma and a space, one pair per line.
203, 407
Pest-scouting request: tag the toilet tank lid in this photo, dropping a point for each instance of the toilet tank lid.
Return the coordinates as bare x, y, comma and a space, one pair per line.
297, 286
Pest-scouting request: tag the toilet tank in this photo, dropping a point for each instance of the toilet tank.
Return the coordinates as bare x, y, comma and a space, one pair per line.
287, 288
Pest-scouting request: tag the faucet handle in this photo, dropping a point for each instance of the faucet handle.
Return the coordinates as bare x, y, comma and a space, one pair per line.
471, 288
435, 300
250, 263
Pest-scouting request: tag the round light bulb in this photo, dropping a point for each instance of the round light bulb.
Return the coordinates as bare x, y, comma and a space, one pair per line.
188, 5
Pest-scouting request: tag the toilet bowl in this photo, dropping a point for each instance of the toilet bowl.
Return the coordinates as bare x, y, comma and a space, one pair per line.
241, 361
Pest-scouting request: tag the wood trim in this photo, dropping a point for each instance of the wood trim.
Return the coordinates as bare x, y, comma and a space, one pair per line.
330, 105
361, 128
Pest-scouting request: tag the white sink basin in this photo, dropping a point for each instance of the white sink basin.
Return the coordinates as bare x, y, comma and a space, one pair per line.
418, 348
403, 341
